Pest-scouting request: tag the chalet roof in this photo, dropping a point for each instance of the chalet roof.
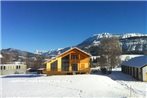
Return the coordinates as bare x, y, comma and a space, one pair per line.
138, 62
68, 51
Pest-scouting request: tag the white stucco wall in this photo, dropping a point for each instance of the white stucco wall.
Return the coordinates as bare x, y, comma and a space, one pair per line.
11, 69
144, 71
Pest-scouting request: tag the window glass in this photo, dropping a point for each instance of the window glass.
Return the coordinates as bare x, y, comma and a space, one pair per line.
65, 63
4, 67
17, 67
74, 67
74, 56
54, 66
1, 67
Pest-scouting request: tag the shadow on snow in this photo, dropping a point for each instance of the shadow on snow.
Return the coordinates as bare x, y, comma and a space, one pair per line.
22, 76
115, 75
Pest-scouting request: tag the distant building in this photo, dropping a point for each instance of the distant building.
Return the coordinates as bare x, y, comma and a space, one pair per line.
136, 67
71, 61
16, 68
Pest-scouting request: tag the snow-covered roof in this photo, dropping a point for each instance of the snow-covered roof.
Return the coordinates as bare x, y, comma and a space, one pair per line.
139, 62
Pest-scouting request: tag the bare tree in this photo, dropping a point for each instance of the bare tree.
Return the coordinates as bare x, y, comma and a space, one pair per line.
39, 61
110, 50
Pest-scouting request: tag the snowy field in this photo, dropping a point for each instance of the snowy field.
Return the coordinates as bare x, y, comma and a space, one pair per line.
89, 85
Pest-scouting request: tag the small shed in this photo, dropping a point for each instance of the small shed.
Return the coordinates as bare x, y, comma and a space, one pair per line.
136, 67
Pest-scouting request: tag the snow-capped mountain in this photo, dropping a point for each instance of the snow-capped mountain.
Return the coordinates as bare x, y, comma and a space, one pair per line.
94, 40
102, 35
53, 53
135, 43
131, 42
127, 35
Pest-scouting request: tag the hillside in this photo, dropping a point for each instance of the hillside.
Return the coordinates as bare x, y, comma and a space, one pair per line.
11, 55
132, 43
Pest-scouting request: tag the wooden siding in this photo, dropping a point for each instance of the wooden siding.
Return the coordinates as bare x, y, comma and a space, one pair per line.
82, 61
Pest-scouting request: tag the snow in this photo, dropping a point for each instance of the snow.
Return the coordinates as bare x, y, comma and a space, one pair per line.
135, 87
87, 85
59, 49
102, 35
136, 62
126, 57
127, 35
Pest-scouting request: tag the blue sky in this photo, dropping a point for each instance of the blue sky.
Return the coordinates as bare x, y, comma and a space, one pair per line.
31, 25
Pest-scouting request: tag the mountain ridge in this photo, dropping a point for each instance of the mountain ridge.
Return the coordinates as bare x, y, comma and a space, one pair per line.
133, 39
124, 38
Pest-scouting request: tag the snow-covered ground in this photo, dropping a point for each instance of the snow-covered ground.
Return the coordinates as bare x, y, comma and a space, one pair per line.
135, 87
89, 85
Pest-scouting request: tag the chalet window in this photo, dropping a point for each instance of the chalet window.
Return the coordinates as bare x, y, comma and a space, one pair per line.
65, 67
74, 57
65, 63
54, 66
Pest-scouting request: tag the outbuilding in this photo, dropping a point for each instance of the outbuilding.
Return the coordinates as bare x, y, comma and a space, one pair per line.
136, 67
6, 69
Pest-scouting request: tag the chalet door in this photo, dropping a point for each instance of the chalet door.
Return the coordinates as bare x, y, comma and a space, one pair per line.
74, 67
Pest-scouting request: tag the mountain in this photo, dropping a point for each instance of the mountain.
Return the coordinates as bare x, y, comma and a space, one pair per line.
53, 53
132, 43
11, 55
17, 51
